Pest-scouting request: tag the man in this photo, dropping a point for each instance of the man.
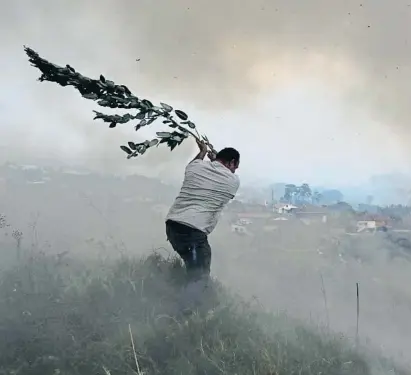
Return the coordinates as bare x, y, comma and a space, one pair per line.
207, 187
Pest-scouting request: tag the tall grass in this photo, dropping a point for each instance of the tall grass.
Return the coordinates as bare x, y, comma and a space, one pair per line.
66, 317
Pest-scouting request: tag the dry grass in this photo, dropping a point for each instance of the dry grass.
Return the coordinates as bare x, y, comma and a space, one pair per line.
74, 318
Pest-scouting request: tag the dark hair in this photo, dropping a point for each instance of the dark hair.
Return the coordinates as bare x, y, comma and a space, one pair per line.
228, 154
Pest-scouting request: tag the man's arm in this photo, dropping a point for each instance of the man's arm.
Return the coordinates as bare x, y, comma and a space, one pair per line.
203, 151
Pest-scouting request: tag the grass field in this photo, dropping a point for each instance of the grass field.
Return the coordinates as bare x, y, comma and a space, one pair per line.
61, 316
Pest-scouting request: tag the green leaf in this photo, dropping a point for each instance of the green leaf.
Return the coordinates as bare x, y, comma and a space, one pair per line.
113, 125
163, 140
163, 134
126, 89
126, 149
182, 115
143, 122
141, 115
91, 96
147, 103
167, 107
153, 142
183, 130
97, 116
102, 79
140, 146
176, 138
132, 145
191, 125
70, 68
103, 103
172, 144
133, 155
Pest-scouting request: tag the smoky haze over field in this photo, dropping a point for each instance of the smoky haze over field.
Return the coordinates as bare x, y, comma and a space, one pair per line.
329, 77
307, 270
243, 64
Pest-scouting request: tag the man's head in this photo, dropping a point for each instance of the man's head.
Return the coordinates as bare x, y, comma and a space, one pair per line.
229, 157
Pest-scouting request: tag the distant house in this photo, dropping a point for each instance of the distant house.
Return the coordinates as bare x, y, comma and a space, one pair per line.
370, 226
372, 222
309, 214
285, 208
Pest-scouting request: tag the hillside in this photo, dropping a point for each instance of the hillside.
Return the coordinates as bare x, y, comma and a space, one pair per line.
59, 316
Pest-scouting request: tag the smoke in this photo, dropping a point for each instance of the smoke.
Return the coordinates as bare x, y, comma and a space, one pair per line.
216, 55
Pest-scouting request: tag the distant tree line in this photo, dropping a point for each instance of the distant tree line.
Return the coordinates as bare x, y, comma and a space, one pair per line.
396, 212
300, 194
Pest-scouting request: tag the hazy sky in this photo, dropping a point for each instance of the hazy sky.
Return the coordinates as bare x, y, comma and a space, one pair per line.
306, 90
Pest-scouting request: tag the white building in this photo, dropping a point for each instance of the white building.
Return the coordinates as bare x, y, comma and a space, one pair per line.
284, 208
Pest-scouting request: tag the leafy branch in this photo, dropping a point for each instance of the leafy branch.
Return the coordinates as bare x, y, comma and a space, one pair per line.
108, 94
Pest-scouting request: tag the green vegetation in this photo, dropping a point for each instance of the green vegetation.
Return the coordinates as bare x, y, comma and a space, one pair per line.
109, 95
60, 316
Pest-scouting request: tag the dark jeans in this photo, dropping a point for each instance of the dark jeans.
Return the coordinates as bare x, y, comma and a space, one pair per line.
192, 246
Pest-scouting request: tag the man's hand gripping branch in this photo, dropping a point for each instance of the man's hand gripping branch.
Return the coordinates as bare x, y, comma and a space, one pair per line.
204, 151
